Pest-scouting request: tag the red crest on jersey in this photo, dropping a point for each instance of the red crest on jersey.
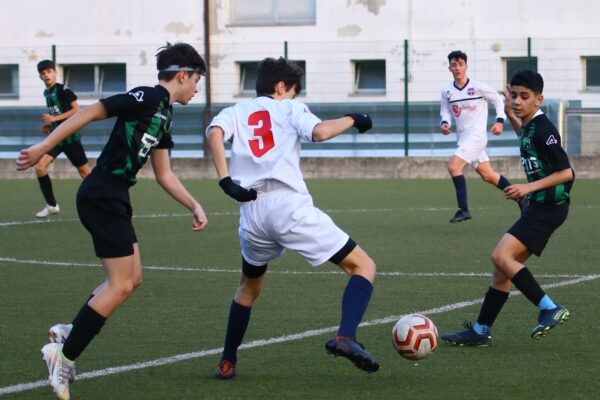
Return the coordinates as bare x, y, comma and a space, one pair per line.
456, 110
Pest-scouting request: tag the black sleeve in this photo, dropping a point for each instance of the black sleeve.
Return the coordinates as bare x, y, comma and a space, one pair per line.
136, 102
548, 142
68, 96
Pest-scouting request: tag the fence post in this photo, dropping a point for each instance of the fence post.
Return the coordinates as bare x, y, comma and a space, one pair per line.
285, 50
54, 53
406, 120
529, 59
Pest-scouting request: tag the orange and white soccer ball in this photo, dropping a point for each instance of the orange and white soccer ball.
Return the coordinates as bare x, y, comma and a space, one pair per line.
415, 336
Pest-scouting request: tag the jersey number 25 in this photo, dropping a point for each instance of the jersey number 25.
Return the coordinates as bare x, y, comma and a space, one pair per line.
264, 140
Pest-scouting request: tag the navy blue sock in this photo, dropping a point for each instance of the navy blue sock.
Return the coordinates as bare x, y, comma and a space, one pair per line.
46, 187
354, 304
239, 317
503, 182
460, 184
86, 326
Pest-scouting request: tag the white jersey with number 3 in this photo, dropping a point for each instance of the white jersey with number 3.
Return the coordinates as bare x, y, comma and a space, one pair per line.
266, 135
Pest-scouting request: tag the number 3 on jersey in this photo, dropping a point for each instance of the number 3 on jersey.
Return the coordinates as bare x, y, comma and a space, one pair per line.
264, 141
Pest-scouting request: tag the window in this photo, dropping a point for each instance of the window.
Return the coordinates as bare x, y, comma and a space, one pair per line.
592, 73
249, 72
95, 80
515, 64
369, 77
273, 12
9, 81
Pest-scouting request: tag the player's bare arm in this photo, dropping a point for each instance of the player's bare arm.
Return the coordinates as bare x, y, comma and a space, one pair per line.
30, 156
517, 191
161, 165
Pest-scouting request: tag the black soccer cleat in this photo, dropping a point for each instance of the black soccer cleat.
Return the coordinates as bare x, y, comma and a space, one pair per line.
345, 347
468, 337
460, 216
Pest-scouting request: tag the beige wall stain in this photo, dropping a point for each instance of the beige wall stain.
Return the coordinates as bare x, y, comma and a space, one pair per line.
178, 28
373, 6
42, 34
349, 30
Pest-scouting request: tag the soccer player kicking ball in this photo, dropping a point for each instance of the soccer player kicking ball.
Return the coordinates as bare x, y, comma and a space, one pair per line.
276, 210
550, 177
142, 131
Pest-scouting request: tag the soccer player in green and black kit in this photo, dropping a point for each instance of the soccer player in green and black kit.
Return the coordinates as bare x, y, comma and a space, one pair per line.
142, 131
550, 177
62, 103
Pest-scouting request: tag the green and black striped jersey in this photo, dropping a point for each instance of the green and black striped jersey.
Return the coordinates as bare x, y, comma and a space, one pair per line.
542, 155
59, 99
144, 119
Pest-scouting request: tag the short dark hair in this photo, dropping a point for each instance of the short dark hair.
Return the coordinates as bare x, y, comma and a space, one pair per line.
45, 64
173, 58
529, 79
457, 54
272, 71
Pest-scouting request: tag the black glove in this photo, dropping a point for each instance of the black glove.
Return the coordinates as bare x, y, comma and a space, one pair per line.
235, 191
362, 122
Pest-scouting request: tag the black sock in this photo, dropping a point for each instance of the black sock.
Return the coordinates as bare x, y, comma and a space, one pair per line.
46, 186
460, 185
526, 283
503, 182
239, 317
492, 304
86, 325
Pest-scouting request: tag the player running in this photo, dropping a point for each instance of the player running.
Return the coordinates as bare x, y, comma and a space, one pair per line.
142, 131
276, 210
467, 101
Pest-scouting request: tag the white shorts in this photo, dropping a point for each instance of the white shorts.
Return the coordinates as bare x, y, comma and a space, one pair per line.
473, 152
285, 219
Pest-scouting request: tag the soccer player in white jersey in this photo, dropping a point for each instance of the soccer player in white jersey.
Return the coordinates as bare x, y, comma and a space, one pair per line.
276, 210
467, 101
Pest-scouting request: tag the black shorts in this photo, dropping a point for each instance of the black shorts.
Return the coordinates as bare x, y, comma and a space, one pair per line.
74, 152
104, 209
537, 224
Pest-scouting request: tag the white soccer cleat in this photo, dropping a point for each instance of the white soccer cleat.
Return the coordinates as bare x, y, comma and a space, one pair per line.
59, 333
59, 369
47, 211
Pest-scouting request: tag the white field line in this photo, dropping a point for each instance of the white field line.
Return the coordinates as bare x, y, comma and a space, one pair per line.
274, 270
21, 387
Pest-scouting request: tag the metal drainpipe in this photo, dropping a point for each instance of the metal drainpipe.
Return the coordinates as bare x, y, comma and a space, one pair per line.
207, 114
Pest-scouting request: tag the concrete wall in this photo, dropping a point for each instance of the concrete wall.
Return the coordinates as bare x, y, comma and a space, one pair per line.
343, 168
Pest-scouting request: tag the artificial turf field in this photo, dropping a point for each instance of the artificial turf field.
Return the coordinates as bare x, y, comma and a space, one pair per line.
164, 342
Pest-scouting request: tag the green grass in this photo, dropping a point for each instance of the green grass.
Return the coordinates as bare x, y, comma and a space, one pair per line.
403, 225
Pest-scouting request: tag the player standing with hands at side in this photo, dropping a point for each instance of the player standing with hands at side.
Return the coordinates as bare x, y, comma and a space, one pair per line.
467, 101
550, 178
142, 131
276, 210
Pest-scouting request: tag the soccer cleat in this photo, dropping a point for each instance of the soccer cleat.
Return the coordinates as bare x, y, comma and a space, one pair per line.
460, 216
59, 369
354, 351
225, 370
47, 211
468, 338
59, 333
548, 319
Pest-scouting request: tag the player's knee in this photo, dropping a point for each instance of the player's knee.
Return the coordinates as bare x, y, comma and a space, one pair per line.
137, 282
41, 170
499, 259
